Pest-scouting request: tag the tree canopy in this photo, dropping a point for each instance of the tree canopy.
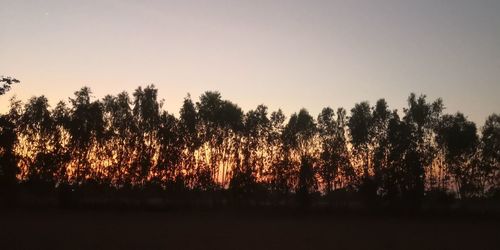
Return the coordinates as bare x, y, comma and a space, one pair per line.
130, 142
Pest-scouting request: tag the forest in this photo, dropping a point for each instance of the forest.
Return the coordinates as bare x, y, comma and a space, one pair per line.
127, 150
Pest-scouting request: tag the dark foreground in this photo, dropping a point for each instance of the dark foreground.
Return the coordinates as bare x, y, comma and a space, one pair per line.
232, 230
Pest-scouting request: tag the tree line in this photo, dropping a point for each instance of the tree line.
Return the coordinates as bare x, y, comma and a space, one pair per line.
124, 142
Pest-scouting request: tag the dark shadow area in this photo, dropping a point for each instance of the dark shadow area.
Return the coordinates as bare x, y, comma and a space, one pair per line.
242, 230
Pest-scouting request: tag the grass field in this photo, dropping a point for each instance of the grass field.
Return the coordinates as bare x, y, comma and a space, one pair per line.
232, 230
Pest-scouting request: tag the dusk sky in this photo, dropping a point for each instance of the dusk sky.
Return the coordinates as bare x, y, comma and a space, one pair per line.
285, 54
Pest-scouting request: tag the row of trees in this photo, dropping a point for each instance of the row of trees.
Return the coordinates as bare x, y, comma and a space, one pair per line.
131, 142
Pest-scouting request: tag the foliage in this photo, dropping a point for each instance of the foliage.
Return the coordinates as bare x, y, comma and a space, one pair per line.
129, 142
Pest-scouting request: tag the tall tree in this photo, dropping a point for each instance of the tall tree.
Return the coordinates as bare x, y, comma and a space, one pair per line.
8, 157
8, 139
221, 122
276, 175
335, 167
168, 169
37, 140
188, 129
61, 151
327, 130
146, 113
119, 129
458, 137
360, 126
86, 128
490, 150
248, 174
379, 130
395, 178
421, 118
299, 141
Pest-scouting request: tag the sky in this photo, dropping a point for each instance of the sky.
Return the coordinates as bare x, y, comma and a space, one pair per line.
286, 54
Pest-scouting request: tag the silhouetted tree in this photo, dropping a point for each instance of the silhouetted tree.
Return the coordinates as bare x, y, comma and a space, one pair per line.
220, 124
327, 131
119, 129
490, 150
348, 174
299, 141
146, 113
8, 159
188, 134
381, 116
335, 167
256, 129
420, 118
307, 182
458, 137
118, 143
86, 127
61, 152
277, 174
8, 140
5, 84
360, 124
37, 140
168, 169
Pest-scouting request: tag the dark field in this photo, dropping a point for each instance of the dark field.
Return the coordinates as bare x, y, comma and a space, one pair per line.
208, 230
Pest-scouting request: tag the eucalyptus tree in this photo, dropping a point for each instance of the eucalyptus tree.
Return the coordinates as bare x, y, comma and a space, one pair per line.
209, 108
256, 130
188, 133
276, 175
459, 140
146, 116
37, 142
299, 140
394, 180
61, 149
360, 126
335, 168
379, 130
119, 130
232, 118
8, 157
86, 128
247, 174
411, 149
221, 122
490, 150
329, 168
421, 117
348, 176
168, 167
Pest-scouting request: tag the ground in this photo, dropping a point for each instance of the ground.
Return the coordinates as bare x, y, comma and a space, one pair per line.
237, 230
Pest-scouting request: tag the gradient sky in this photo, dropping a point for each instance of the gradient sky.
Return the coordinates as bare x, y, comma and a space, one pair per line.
285, 54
